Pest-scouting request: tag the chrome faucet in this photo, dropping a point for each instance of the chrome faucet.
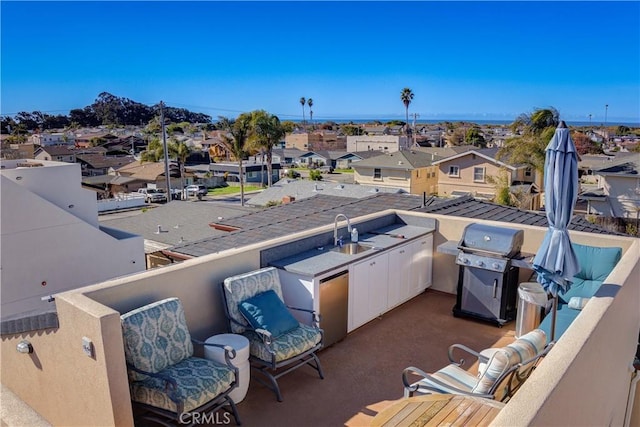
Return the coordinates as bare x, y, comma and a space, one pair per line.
335, 228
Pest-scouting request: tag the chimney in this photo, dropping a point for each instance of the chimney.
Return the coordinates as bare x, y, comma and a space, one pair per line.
288, 199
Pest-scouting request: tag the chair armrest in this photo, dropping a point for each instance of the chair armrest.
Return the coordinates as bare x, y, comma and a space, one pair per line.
472, 352
171, 386
315, 316
229, 352
445, 388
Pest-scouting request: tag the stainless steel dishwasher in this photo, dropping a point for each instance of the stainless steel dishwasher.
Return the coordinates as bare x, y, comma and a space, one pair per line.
334, 307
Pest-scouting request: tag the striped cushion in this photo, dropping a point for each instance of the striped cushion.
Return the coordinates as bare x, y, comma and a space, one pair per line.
527, 346
497, 365
451, 376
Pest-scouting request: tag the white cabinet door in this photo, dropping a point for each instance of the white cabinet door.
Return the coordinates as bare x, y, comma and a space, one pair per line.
422, 250
399, 277
367, 290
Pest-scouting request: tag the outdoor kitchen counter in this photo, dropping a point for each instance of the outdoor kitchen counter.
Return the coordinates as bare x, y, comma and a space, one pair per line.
524, 260
318, 261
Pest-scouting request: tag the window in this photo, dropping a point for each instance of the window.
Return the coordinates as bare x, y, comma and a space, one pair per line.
454, 171
478, 174
527, 172
377, 174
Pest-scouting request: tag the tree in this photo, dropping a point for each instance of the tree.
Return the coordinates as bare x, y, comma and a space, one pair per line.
501, 183
351, 130
455, 137
288, 126
537, 129
585, 145
406, 96
154, 152
475, 137
235, 142
267, 131
310, 104
303, 101
181, 152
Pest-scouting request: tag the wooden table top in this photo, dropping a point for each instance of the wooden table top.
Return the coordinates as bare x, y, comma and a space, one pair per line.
439, 409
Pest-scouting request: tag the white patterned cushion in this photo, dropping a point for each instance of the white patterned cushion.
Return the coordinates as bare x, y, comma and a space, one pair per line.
527, 346
155, 337
244, 286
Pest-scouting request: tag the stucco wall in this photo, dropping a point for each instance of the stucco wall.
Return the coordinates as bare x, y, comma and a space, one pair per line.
465, 182
394, 178
59, 381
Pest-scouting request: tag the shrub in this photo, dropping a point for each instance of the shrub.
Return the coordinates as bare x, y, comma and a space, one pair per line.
315, 175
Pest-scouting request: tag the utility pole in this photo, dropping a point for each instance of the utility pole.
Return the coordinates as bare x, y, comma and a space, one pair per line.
606, 132
166, 153
415, 141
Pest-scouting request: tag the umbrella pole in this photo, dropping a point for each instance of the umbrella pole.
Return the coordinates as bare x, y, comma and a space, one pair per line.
553, 317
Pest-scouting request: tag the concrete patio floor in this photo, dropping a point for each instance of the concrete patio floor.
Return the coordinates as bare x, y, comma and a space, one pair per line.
363, 371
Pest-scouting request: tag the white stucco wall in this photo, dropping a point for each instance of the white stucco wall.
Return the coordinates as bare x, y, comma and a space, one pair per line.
384, 143
49, 247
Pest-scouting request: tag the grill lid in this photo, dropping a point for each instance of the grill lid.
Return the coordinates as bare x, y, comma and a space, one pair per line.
505, 242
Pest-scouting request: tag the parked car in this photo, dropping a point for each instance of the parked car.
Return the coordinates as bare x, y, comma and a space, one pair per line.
153, 195
291, 173
197, 190
325, 169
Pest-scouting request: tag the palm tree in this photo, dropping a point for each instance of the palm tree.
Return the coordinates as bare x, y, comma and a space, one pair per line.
302, 102
267, 131
236, 140
154, 151
406, 96
179, 151
537, 129
310, 104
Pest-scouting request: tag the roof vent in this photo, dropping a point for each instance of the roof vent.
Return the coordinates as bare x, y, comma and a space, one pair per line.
339, 187
374, 190
399, 162
159, 229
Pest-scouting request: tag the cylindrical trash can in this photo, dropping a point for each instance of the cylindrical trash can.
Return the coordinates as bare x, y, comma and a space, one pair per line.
241, 345
532, 302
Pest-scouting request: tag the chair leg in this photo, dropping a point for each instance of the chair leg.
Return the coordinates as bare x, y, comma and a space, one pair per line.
234, 410
317, 366
273, 383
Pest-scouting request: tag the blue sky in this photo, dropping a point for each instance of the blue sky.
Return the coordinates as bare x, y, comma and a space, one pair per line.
483, 60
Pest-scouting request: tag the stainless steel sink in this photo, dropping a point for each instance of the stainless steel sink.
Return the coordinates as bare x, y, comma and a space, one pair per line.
352, 248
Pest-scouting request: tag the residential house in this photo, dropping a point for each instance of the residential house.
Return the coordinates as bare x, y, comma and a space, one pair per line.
24, 151
302, 140
91, 139
46, 139
254, 171
617, 189
410, 170
474, 173
99, 164
384, 143
139, 174
51, 239
287, 156
57, 153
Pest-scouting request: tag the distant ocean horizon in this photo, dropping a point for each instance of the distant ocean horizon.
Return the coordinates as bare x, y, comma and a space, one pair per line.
456, 120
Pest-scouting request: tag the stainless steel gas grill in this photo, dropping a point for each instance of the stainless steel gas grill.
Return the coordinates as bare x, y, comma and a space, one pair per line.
487, 281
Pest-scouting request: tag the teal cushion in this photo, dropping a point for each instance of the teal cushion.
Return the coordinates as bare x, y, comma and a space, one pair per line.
267, 311
595, 265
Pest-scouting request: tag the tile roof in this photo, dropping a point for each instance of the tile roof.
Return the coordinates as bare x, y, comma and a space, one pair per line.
468, 207
321, 210
57, 150
100, 161
405, 159
294, 217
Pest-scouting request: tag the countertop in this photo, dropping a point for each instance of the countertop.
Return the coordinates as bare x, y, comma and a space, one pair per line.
316, 262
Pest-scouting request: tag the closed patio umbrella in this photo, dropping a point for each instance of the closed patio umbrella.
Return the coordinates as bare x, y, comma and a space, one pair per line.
556, 262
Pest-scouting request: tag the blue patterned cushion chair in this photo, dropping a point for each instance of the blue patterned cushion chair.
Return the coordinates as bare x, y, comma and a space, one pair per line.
501, 374
255, 308
168, 385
